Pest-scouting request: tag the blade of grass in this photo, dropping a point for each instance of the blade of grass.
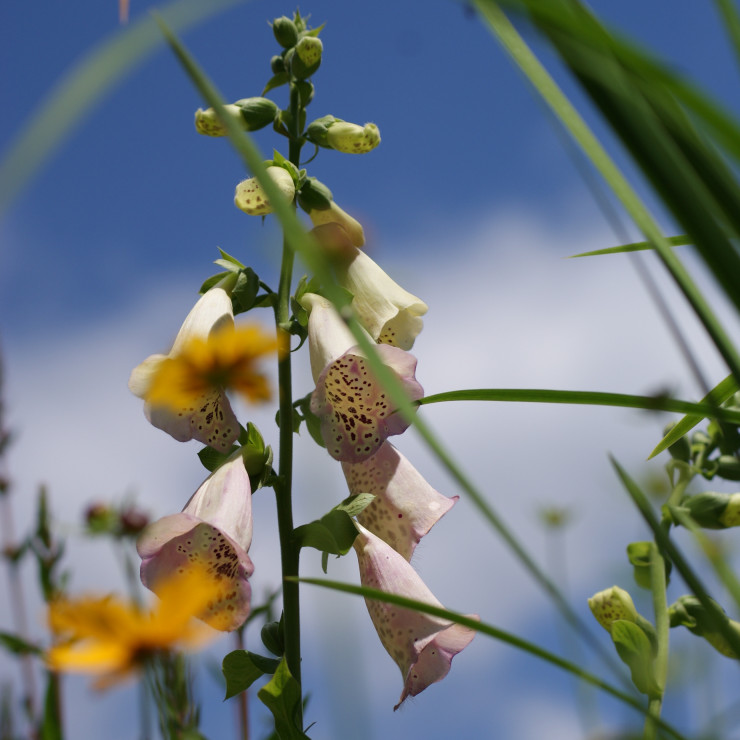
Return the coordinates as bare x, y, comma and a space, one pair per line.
719, 394
83, 87
505, 32
591, 398
731, 18
490, 631
674, 241
314, 258
675, 555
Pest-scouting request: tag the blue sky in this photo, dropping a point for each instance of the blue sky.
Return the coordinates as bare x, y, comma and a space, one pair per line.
103, 253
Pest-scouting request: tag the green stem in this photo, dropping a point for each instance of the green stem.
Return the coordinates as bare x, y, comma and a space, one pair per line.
662, 628
289, 550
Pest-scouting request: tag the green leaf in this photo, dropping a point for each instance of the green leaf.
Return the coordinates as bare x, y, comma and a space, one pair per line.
245, 291
272, 637
208, 283
334, 533
674, 241
227, 259
282, 78
17, 645
51, 725
719, 394
212, 459
591, 398
354, 505
242, 668
282, 696
634, 649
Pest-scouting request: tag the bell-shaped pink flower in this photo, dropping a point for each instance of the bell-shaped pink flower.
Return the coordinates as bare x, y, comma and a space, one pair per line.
213, 532
423, 646
356, 414
210, 419
405, 506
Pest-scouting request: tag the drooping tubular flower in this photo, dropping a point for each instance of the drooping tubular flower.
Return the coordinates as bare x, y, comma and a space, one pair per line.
185, 390
250, 196
391, 314
353, 139
212, 534
356, 414
112, 639
423, 646
405, 506
333, 214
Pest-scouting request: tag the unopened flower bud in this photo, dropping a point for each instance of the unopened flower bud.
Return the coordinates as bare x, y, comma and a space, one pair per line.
208, 123
680, 449
728, 467
335, 215
277, 64
250, 197
713, 510
353, 139
286, 34
689, 612
612, 604
309, 50
257, 112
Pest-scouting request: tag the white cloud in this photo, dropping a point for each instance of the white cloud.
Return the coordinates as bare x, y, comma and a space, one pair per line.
505, 311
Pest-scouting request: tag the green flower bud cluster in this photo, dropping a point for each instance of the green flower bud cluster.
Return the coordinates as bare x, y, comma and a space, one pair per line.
633, 636
689, 612
302, 50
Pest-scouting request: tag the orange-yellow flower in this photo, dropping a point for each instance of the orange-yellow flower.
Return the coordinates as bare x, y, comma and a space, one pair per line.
226, 358
111, 639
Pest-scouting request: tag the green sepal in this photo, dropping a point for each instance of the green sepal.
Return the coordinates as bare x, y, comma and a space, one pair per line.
305, 92
334, 533
728, 467
313, 423
297, 419
272, 637
315, 31
257, 457
314, 195
317, 130
282, 696
257, 112
244, 294
639, 555
281, 78
242, 668
211, 459
17, 645
706, 508
634, 649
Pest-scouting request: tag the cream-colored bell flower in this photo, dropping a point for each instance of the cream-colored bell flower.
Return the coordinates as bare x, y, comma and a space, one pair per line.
353, 139
335, 215
208, 123
250, 196
390, 314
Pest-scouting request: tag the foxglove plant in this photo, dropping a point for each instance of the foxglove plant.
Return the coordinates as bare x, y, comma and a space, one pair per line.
185, 395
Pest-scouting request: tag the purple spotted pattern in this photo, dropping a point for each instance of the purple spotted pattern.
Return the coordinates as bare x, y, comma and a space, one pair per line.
181, 542
405, 506
210, 421
421, 645
356, 413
